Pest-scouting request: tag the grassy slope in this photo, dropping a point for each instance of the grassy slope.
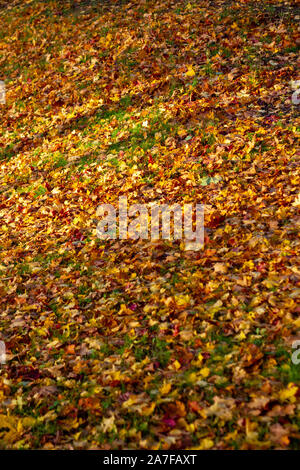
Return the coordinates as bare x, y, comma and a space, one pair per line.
143, 344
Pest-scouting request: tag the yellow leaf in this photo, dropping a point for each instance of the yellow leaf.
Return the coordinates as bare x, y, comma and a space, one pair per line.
205, 372
204, 445
10, 430
108, 424
289, 393
193, 377
182, 300
176, 365
241, 336
181, 132
200, 357
131, 401
124, 310
165, 388
190, 72
148, 410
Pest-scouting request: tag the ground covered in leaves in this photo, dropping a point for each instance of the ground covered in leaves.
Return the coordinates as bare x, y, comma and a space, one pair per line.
141, 344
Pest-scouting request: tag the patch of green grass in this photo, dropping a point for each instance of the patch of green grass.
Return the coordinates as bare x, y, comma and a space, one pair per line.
24, 269
290, 49
289, 372
60, 162
40, 191
161, 352
7, 153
